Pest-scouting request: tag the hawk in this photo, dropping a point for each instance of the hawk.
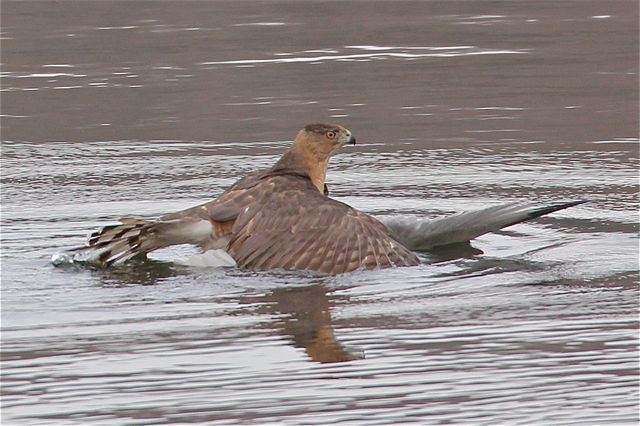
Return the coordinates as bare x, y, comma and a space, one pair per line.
278, 218
283, 218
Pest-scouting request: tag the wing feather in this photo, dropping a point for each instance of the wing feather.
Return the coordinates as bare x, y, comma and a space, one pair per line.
311, 258
291, 225
277, 256
343, 248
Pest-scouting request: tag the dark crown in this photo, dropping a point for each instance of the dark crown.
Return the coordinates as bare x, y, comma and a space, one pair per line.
320, 128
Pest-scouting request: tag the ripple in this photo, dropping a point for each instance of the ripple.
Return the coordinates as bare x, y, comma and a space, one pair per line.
262, 24
619, 140
536, 324
405, 54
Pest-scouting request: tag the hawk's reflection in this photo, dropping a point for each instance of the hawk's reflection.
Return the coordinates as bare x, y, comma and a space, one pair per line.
306, 318
303, 313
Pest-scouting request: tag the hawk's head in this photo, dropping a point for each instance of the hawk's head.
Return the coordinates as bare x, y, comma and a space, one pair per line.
310, 152
324, 139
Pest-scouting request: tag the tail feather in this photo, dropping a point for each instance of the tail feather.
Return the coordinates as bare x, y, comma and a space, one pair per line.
422, 234
118, 243
114, 244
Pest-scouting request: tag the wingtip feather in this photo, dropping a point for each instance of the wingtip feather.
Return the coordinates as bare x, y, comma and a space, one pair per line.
554, 208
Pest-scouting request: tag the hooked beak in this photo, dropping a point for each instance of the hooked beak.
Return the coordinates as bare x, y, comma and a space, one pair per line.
349, 138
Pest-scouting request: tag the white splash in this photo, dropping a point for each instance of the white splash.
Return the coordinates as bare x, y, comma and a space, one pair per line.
210, 259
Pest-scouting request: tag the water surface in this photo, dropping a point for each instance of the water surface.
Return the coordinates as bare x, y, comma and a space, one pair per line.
142, 108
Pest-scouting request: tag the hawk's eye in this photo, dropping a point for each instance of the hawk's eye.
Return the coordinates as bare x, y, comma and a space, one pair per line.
331, 135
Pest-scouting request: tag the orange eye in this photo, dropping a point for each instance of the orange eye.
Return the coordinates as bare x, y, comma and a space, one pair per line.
331, 135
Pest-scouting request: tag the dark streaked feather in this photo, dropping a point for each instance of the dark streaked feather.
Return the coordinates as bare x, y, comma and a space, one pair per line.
297, 227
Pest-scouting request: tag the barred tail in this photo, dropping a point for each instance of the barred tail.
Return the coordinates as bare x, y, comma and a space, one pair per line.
118, 243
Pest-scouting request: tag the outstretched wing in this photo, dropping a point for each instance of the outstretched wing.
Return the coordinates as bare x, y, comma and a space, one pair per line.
291, 225
424, 234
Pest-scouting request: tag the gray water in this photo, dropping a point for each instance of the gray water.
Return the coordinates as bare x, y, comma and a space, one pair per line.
135, 108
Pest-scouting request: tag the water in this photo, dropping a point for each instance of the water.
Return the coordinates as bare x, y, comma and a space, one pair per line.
118, 108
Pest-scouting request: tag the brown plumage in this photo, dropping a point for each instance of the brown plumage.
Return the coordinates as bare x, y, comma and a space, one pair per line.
278, 218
